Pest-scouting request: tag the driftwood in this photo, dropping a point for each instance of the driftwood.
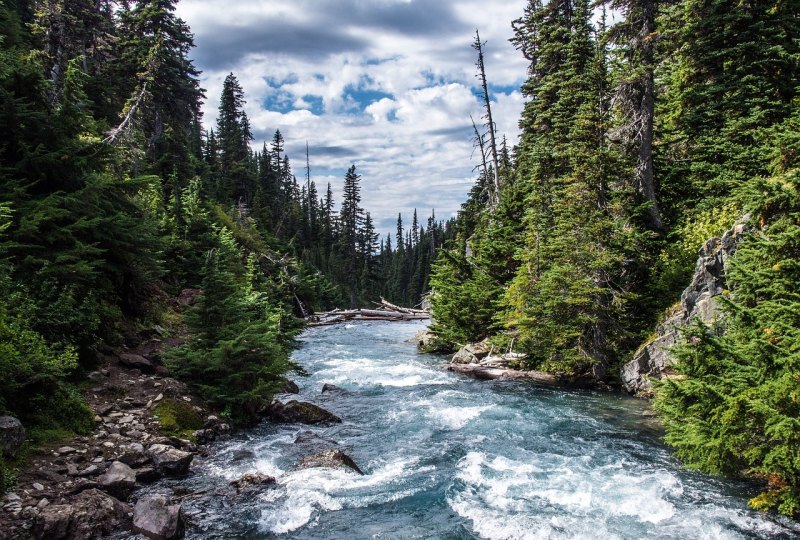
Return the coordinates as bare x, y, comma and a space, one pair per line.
385, 312
491, 373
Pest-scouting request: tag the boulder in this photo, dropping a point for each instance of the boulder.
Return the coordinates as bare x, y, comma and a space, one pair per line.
169, 461
699, 301
119, 480
300, 412
89, 515
137, 362
156, 519
288, 386
328, 388
134, 455
472, 353
427, 341
253, 480
146, 475
333, 458
12, 435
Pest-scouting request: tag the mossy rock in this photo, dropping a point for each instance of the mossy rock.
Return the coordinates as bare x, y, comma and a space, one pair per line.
178, 418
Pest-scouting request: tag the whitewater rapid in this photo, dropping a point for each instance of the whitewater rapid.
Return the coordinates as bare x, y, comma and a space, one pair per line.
449, 457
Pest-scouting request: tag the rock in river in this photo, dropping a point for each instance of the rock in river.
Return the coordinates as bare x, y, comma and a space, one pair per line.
333, 458
300, 412
156, 519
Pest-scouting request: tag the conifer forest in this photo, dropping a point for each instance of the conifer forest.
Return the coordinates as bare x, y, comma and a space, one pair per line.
651, 133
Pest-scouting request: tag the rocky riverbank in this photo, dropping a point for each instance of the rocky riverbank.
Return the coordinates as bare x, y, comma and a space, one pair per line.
88, 487
83, 488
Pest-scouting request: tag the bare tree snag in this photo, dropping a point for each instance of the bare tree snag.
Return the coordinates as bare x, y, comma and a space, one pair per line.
478, 46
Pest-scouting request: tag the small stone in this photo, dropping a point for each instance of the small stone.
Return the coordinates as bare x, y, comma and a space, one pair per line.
97, 419
66, 450
109, 444
159, 397
119, 480
44, 502
38, 487
98, 459
11, 497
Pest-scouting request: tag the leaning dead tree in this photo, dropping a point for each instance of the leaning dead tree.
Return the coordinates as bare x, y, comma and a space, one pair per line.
385, 311
478, 46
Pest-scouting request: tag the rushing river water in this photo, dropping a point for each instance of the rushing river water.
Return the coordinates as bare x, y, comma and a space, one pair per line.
445, 456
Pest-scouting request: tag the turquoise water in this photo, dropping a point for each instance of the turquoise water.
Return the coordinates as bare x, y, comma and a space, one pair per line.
449, 457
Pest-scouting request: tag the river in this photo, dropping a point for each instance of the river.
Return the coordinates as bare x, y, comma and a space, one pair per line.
445, 456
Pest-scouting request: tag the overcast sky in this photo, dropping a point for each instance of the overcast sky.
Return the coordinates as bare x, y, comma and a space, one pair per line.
386, 84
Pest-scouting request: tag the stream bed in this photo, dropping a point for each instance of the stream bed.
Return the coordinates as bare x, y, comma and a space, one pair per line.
449, 457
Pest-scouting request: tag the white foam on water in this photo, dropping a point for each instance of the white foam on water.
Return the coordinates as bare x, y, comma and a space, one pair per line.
456, 417
366, 372
307, 492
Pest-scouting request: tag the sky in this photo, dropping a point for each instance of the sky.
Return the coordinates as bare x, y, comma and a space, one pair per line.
387, 85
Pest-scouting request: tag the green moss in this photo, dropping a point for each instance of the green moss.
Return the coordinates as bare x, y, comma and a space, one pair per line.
178, 418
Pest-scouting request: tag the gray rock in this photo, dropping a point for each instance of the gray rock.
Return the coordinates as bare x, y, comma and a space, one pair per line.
89, 515
147, 475
472, 353
156, 519
328, 388
253, 480
137, 362
288, 386
333, 458
299, 412
699, 301
170, 461
119, 480
12, 435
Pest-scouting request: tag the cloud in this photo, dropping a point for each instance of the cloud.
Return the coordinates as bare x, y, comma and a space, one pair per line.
386, 84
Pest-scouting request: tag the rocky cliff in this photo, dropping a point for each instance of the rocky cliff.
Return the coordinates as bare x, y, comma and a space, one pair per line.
698, 301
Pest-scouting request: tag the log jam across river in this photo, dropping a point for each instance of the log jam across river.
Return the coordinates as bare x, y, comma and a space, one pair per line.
445, 456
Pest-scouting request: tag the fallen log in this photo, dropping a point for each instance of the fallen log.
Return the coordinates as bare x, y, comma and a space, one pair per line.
490, 373
339, 316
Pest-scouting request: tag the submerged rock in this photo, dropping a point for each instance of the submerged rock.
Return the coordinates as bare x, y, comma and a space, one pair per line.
89, 515
300, 412
332, 458
699, 301
12, 435
156, 519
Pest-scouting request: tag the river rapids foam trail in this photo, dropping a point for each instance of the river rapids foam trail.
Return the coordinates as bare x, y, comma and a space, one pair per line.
449, 457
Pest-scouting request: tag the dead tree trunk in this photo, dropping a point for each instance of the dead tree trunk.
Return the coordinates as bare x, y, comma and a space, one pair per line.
478, 46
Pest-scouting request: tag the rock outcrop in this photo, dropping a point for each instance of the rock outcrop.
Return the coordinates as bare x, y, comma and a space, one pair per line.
699, 301
332, 458
12, 435
156, 519
89, 515
299, 412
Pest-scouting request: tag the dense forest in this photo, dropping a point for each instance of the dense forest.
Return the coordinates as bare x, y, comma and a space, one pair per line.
641, 140
114, 199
